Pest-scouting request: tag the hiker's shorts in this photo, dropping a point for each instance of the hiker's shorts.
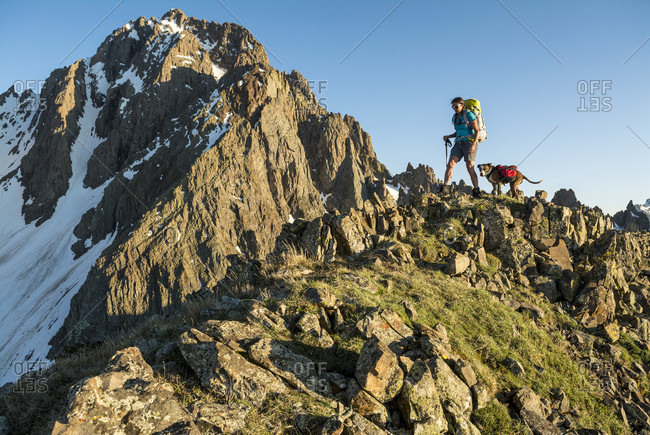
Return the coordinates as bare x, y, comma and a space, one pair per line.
461, 150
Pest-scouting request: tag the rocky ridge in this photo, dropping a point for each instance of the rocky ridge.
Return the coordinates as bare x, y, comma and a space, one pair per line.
533, 260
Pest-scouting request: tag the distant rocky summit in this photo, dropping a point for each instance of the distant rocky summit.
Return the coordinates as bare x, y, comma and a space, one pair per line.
566, 198
634, 217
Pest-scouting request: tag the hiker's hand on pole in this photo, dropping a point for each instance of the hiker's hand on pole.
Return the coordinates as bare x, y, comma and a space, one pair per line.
445, 138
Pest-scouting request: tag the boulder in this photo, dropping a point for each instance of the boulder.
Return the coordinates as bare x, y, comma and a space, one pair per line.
377, 370
527, 399
410, 310
458, 264
481, 256
125, 398
355, 424
480, 395
322, 297
332, 426
595, 306
365, 404
569, 285
558, 252
515, 367
454, 393
362, 282
637, 416
538, 424
318, 241
388, 327
226, 305
496, 220
547, 287
465, 372
352, 234
224, 372
220, 418
299, 371
232, 330
517, 255
419, 401
536, 215
258, 313
611, 332
311, 323
434, 341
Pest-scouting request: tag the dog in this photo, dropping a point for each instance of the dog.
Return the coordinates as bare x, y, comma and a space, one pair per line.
489, 171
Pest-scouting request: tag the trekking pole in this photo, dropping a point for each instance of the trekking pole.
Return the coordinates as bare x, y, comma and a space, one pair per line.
447, 146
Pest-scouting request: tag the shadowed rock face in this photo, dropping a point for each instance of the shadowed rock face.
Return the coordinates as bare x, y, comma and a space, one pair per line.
565, 198
200, 150
47, 167
632, 219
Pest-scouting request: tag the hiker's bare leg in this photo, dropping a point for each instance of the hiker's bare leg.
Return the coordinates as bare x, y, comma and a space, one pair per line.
472, 173
450, 168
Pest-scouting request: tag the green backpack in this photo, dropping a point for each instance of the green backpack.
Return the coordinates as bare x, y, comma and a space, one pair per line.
475, 107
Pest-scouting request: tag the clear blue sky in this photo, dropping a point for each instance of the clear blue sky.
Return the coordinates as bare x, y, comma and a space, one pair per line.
399, 81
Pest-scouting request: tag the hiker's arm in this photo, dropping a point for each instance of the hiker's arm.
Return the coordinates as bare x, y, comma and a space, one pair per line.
474, 125
448, 137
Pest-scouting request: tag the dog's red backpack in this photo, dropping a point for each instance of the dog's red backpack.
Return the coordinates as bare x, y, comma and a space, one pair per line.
507, 173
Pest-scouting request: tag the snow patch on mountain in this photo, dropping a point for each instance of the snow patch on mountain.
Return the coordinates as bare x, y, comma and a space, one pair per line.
171, 27
38, 272
16, 139
133, 78
217, 71
645, 208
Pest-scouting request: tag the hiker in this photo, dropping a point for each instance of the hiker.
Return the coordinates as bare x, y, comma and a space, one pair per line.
465, 145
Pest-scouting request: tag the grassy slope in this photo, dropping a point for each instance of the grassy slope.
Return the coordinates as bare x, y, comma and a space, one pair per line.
481, 330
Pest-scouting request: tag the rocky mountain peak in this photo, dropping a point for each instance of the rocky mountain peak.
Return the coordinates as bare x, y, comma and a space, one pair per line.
175, 144
176, 16
633, 218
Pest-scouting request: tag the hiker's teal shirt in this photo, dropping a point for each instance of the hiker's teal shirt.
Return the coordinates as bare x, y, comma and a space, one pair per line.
463, 129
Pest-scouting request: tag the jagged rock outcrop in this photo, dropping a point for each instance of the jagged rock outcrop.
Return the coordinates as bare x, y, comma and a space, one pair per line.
414, 181
224, 372
349, 235
419, 401
632, 219
565, 198
125, 398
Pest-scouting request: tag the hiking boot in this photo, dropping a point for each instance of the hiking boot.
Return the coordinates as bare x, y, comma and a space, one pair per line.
443, 189
476, 192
